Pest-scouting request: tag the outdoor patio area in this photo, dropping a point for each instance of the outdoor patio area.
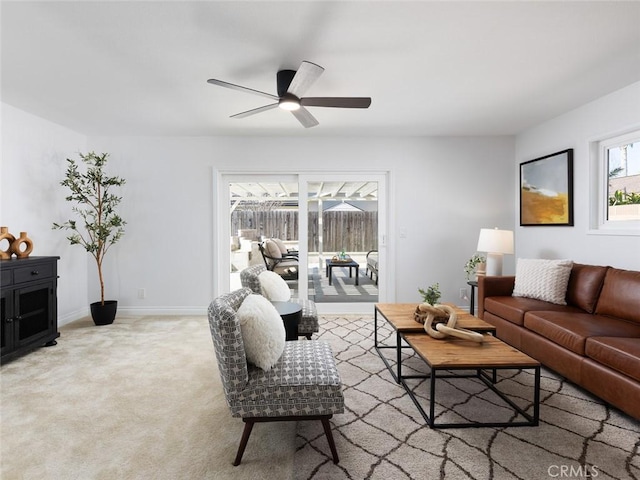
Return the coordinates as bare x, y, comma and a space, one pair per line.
341, 216
342, 289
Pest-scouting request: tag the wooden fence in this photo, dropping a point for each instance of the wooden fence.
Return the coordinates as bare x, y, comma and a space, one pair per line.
349, 231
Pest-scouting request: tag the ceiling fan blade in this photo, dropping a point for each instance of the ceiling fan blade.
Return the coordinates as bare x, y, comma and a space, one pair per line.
248, 113
305, 118
220, 83
336, 102
306, 75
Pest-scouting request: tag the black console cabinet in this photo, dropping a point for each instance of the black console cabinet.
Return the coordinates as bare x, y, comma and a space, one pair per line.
29, 306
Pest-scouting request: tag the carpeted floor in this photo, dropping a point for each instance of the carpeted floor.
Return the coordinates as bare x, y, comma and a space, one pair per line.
382, 436
139, 399
142, 399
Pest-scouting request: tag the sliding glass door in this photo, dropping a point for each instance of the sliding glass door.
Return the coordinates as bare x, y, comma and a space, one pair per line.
261, 207
343, 240
335, 223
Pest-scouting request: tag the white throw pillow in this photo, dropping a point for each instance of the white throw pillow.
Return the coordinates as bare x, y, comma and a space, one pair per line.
263, 332
274, 287
543, 279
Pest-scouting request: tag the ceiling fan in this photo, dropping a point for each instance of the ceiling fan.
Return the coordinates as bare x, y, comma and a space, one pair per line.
291, 86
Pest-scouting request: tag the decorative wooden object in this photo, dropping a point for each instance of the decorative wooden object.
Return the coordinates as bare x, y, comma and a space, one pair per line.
420, 315
441, 330
16, 246
5, 235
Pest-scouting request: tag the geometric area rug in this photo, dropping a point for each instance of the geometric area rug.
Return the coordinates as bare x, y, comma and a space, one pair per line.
381, 434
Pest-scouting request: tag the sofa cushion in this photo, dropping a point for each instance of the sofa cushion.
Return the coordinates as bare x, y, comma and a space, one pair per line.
283, 248
514, 308
584, 286
620, 296
571, 330
621, 354
542, 279
272, 249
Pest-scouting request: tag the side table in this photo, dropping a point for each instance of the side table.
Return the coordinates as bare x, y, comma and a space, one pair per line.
472, 299
291, 314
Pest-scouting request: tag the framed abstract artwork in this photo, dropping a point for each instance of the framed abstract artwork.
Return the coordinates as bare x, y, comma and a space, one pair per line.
546, 190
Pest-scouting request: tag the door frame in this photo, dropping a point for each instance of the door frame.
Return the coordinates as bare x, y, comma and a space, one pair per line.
222, 228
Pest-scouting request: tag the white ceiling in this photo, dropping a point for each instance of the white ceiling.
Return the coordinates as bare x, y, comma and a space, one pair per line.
431, 68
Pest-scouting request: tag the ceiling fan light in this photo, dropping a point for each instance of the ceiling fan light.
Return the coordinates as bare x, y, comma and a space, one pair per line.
289, 102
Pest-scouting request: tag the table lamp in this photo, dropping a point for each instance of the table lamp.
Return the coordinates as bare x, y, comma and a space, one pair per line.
495, 243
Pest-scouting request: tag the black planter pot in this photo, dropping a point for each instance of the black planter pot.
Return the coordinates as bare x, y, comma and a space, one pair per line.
104, 314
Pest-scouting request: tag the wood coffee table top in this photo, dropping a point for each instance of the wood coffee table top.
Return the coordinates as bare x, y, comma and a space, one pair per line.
461, 354
400, 316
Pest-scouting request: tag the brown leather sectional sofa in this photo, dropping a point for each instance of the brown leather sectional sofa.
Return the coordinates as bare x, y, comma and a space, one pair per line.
594, 340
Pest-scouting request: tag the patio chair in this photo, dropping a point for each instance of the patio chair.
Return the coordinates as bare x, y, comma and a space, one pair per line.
286, 267
372, 264
249, 277
304, 384
284, 250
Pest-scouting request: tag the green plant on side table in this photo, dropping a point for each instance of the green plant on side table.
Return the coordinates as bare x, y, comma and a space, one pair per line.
99, 226
471, 267
432, 294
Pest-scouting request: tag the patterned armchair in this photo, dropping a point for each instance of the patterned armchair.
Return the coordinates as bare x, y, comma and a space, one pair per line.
308, 324
303, 385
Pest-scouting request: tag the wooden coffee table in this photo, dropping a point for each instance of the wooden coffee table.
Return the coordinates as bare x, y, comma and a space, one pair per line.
453, 354
400, 317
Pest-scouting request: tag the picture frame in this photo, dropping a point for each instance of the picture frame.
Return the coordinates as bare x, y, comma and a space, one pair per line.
546, 190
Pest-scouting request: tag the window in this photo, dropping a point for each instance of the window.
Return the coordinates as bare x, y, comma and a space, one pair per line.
618, 199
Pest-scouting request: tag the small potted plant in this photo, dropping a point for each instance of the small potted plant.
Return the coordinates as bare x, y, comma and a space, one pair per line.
432, 294
474, 265
99, 226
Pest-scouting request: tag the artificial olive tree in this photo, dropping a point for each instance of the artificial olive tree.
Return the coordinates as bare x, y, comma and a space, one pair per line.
99, 226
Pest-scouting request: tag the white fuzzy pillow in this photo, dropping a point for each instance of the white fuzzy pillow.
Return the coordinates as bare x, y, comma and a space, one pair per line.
543, 279
274, 287
262, 330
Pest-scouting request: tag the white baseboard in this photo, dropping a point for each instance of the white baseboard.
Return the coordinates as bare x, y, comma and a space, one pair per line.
72, 316
164, 311
323, 308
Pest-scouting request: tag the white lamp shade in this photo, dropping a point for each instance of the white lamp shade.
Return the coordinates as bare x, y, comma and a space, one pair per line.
495, 241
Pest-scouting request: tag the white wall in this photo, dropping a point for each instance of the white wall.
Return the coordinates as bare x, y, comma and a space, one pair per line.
443, 191
31, 199
609, 115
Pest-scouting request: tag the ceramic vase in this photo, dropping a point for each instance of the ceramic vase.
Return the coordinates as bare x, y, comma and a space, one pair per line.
481, 270
5, 254
16, 246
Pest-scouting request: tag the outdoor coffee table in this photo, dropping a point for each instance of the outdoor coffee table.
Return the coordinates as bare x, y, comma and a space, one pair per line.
453, 354
400, 317
331, 264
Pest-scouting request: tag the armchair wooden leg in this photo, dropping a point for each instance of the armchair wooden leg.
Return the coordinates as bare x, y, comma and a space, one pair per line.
329, 434
249, 422
248, 426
